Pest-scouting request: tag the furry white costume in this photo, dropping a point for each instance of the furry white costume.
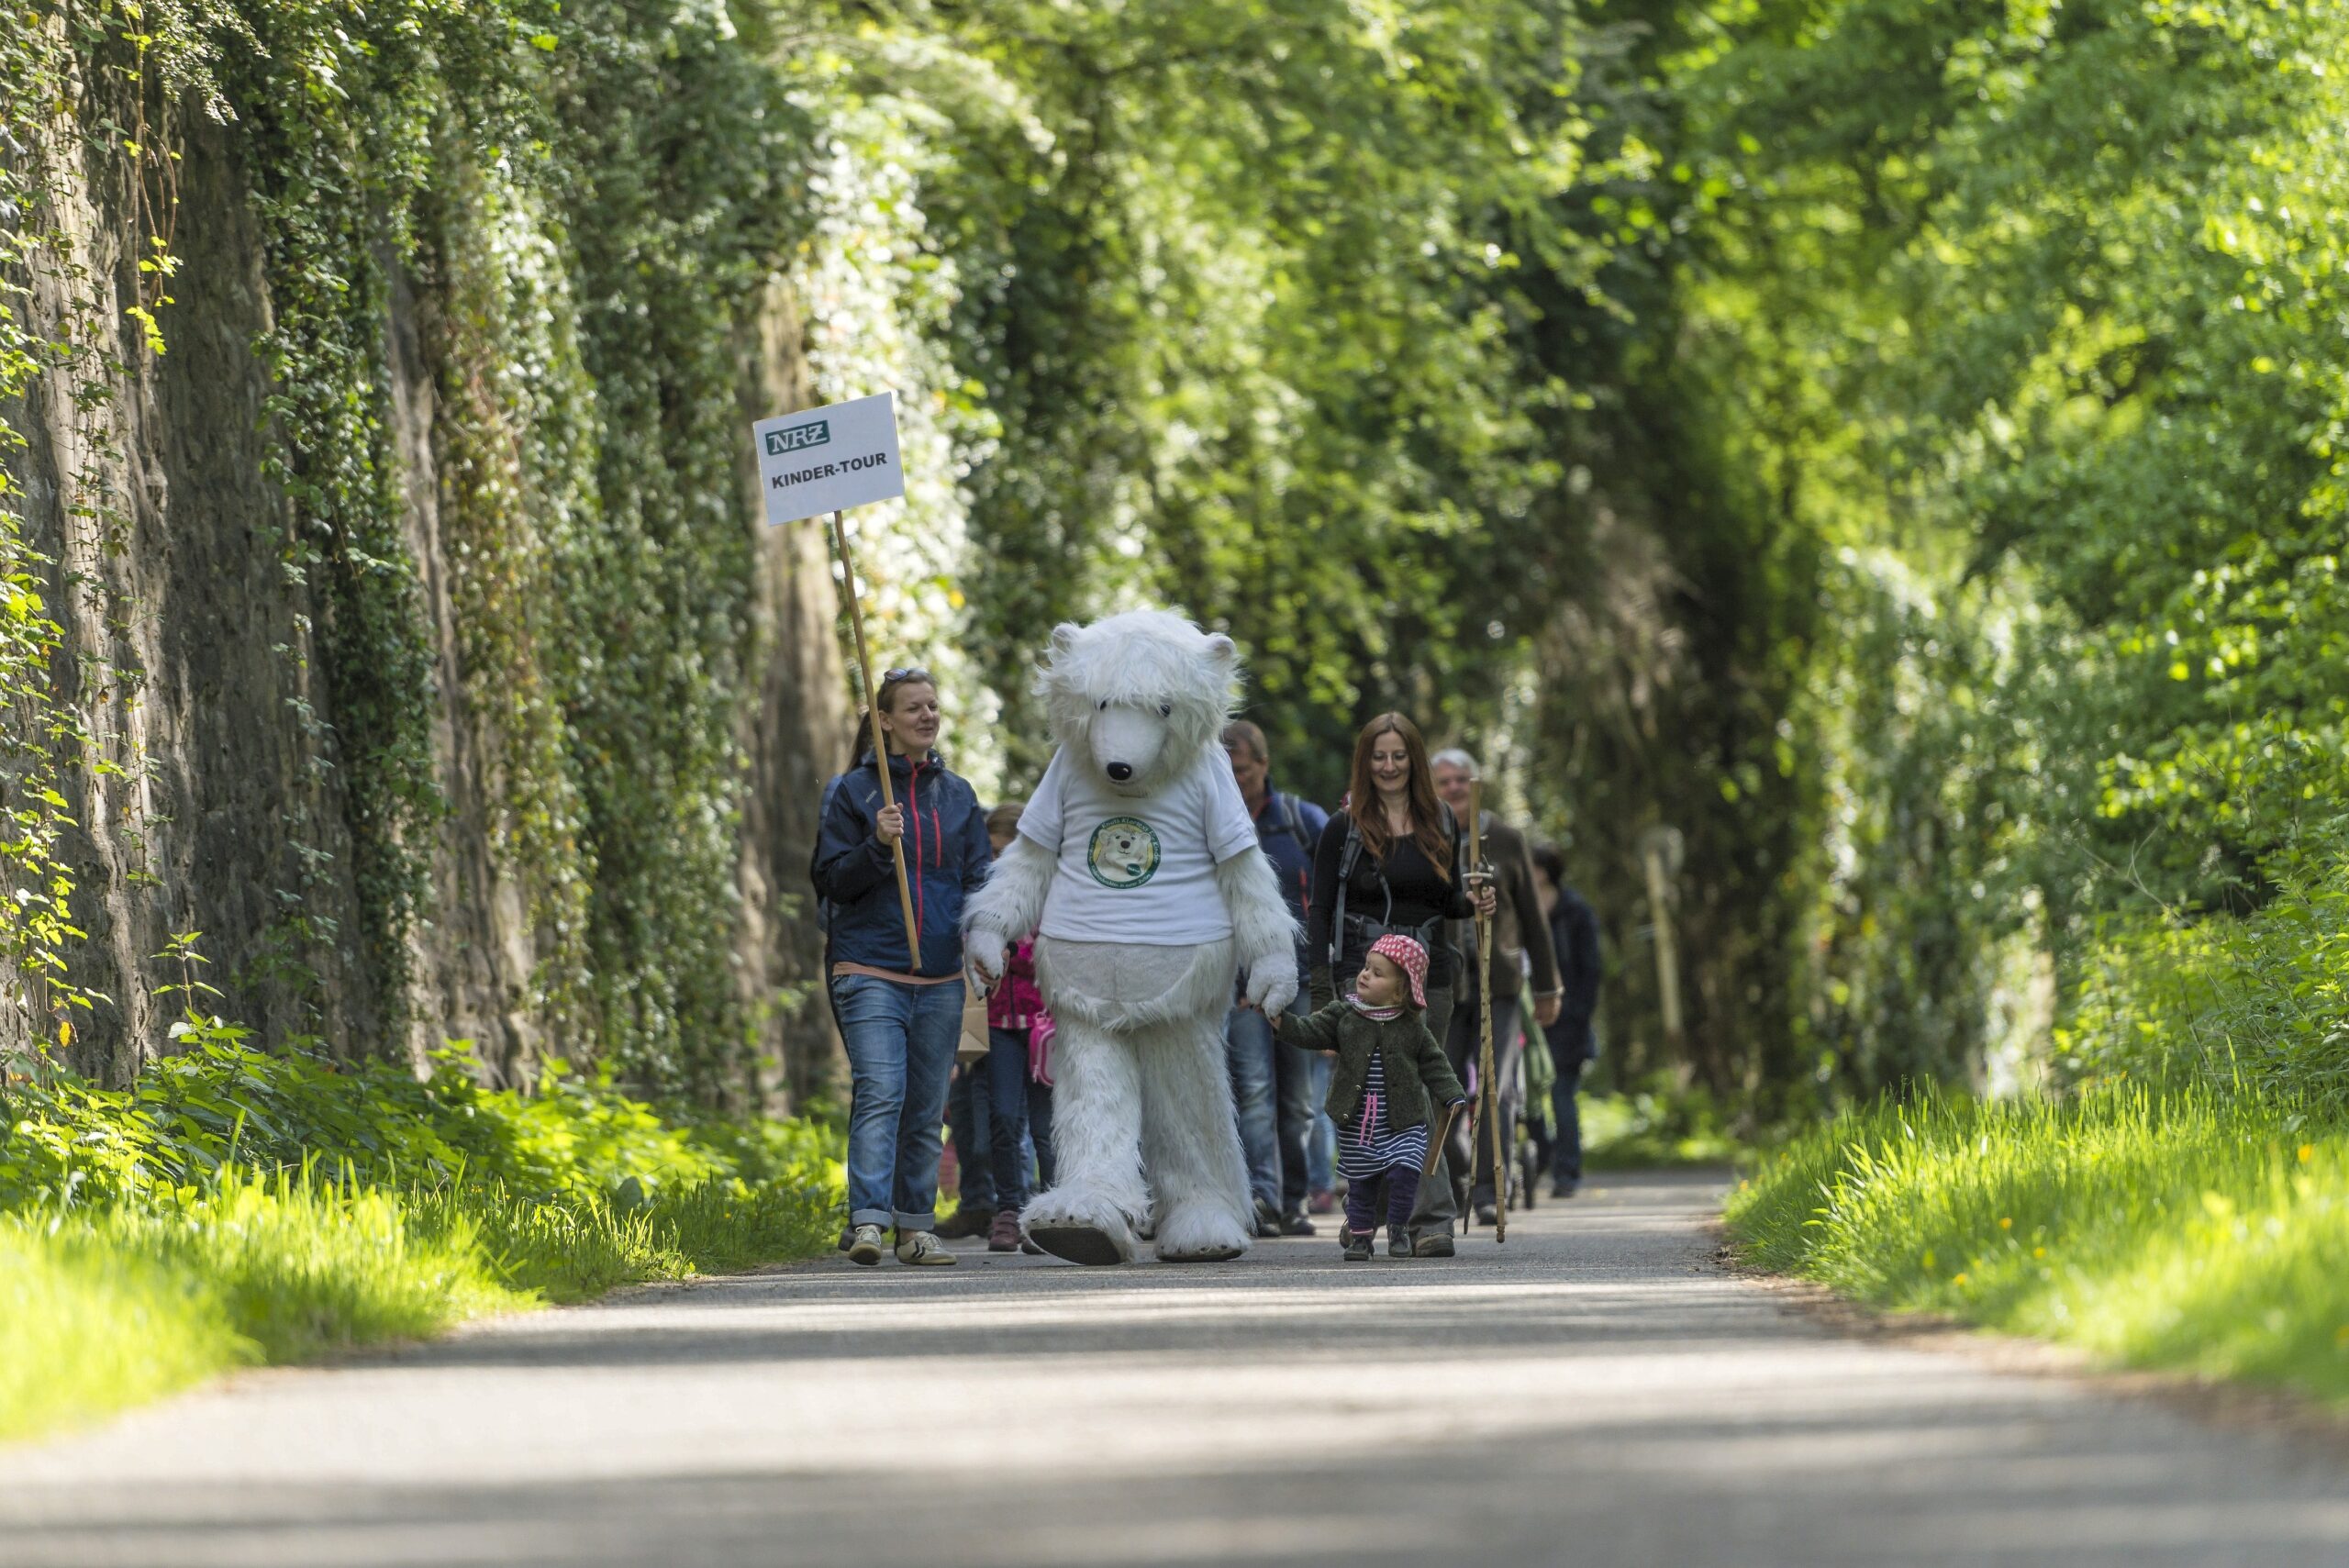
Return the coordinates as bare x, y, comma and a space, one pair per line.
1151, 901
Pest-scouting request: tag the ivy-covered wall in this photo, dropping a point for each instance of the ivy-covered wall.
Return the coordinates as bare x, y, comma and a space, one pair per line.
389, 600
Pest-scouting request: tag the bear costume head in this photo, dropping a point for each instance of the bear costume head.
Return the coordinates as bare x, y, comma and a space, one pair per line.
1137, 696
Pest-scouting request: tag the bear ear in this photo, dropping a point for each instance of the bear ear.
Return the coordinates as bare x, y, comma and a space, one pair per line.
1222, 651
1064, 637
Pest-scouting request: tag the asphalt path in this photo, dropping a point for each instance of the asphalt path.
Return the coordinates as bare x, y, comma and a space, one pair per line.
1598, 1391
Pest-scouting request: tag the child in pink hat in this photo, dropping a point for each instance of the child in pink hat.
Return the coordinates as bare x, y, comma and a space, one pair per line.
1390, 1072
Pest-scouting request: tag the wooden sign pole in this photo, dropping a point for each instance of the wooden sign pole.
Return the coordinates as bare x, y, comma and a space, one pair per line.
880, 741
1491, 1091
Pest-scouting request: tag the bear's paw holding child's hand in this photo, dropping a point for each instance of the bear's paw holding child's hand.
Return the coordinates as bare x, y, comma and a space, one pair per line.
1272, 985
983, 957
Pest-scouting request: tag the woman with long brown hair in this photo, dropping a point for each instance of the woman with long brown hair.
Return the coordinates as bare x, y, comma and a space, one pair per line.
1391, 862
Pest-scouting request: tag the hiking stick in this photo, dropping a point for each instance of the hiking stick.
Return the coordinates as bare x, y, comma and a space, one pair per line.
1436, 1144
1489, 1092
880, 743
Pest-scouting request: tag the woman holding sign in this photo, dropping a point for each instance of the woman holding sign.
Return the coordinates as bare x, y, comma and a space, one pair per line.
898, 993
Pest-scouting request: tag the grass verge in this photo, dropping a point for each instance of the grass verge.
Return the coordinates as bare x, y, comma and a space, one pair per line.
140, 1251
2171, 1228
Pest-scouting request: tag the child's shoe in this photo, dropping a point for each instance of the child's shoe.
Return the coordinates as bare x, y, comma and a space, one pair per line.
1358, 1244
1398, 1242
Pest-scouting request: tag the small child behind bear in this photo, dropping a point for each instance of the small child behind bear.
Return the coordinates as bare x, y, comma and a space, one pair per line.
1388, 1065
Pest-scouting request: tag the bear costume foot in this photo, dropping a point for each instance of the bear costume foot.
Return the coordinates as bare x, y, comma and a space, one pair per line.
1078, 1243
1082, 1233
1199, 1233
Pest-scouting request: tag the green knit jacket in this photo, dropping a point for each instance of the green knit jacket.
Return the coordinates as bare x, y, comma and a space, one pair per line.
1414, 1064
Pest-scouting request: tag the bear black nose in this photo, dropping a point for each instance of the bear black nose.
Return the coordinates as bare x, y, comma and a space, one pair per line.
1121, 772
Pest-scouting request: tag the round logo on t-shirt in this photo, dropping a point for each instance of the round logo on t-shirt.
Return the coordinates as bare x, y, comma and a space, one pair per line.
1123, 853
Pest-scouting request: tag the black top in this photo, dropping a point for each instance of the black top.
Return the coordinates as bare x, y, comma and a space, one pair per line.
1574, 930
1419, 894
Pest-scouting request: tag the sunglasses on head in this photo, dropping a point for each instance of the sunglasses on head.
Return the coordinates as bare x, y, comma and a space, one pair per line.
898, 677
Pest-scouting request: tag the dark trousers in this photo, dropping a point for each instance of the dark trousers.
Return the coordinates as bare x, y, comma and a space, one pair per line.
1469, 1147
1402, 1190
1039, 1129
987, 1118
1566, 1109
968, 1130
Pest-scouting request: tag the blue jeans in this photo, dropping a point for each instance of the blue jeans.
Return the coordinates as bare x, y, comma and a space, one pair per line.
1272, 1094
1321, 1133
900, 1042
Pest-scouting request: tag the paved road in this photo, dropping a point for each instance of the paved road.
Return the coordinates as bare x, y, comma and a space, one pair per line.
1595, 1393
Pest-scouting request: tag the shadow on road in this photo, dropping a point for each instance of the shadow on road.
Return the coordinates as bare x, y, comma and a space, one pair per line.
1595, 1393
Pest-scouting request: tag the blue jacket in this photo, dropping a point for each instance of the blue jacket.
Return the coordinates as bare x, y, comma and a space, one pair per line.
946, 859
1278, 827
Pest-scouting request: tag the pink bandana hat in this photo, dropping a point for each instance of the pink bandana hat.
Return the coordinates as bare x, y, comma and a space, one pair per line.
1409, 957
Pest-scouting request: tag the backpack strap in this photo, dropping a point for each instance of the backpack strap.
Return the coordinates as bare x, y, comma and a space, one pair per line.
1292, 821
1346, 859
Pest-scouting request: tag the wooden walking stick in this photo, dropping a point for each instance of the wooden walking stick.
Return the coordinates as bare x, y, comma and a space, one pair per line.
1489, 1092
880, 741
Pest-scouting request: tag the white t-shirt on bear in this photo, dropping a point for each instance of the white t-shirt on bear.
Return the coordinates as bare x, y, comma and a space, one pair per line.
1139, 869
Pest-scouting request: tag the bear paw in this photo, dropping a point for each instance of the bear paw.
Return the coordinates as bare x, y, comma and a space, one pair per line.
1067, 1227
1200, 1233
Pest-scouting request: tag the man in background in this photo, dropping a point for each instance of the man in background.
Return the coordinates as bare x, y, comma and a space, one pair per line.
1520, 943
1272, 1083
1573, 1043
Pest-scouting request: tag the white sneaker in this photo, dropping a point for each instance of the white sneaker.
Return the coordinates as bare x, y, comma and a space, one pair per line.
921, 1246
866, 1248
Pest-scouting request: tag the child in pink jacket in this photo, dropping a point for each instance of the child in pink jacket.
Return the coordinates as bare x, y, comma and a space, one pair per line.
1018, 1081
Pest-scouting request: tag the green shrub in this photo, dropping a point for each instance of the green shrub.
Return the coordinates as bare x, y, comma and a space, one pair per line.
2255, 1002
191, 1115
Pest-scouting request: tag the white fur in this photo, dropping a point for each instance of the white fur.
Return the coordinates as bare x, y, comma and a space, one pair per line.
1145, 689
1263, 931
1139, 1058
1012, 901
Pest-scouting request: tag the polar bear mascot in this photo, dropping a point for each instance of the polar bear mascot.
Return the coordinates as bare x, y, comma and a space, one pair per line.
1136, 866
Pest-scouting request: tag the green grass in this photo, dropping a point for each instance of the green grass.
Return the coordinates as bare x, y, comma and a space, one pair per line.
141, 1251
1652, 1127
2177, 1229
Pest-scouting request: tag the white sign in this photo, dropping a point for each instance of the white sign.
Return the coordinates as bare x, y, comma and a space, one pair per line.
829, 459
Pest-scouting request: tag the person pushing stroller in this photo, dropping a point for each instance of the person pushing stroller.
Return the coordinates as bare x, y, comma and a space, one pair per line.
1388, 1069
